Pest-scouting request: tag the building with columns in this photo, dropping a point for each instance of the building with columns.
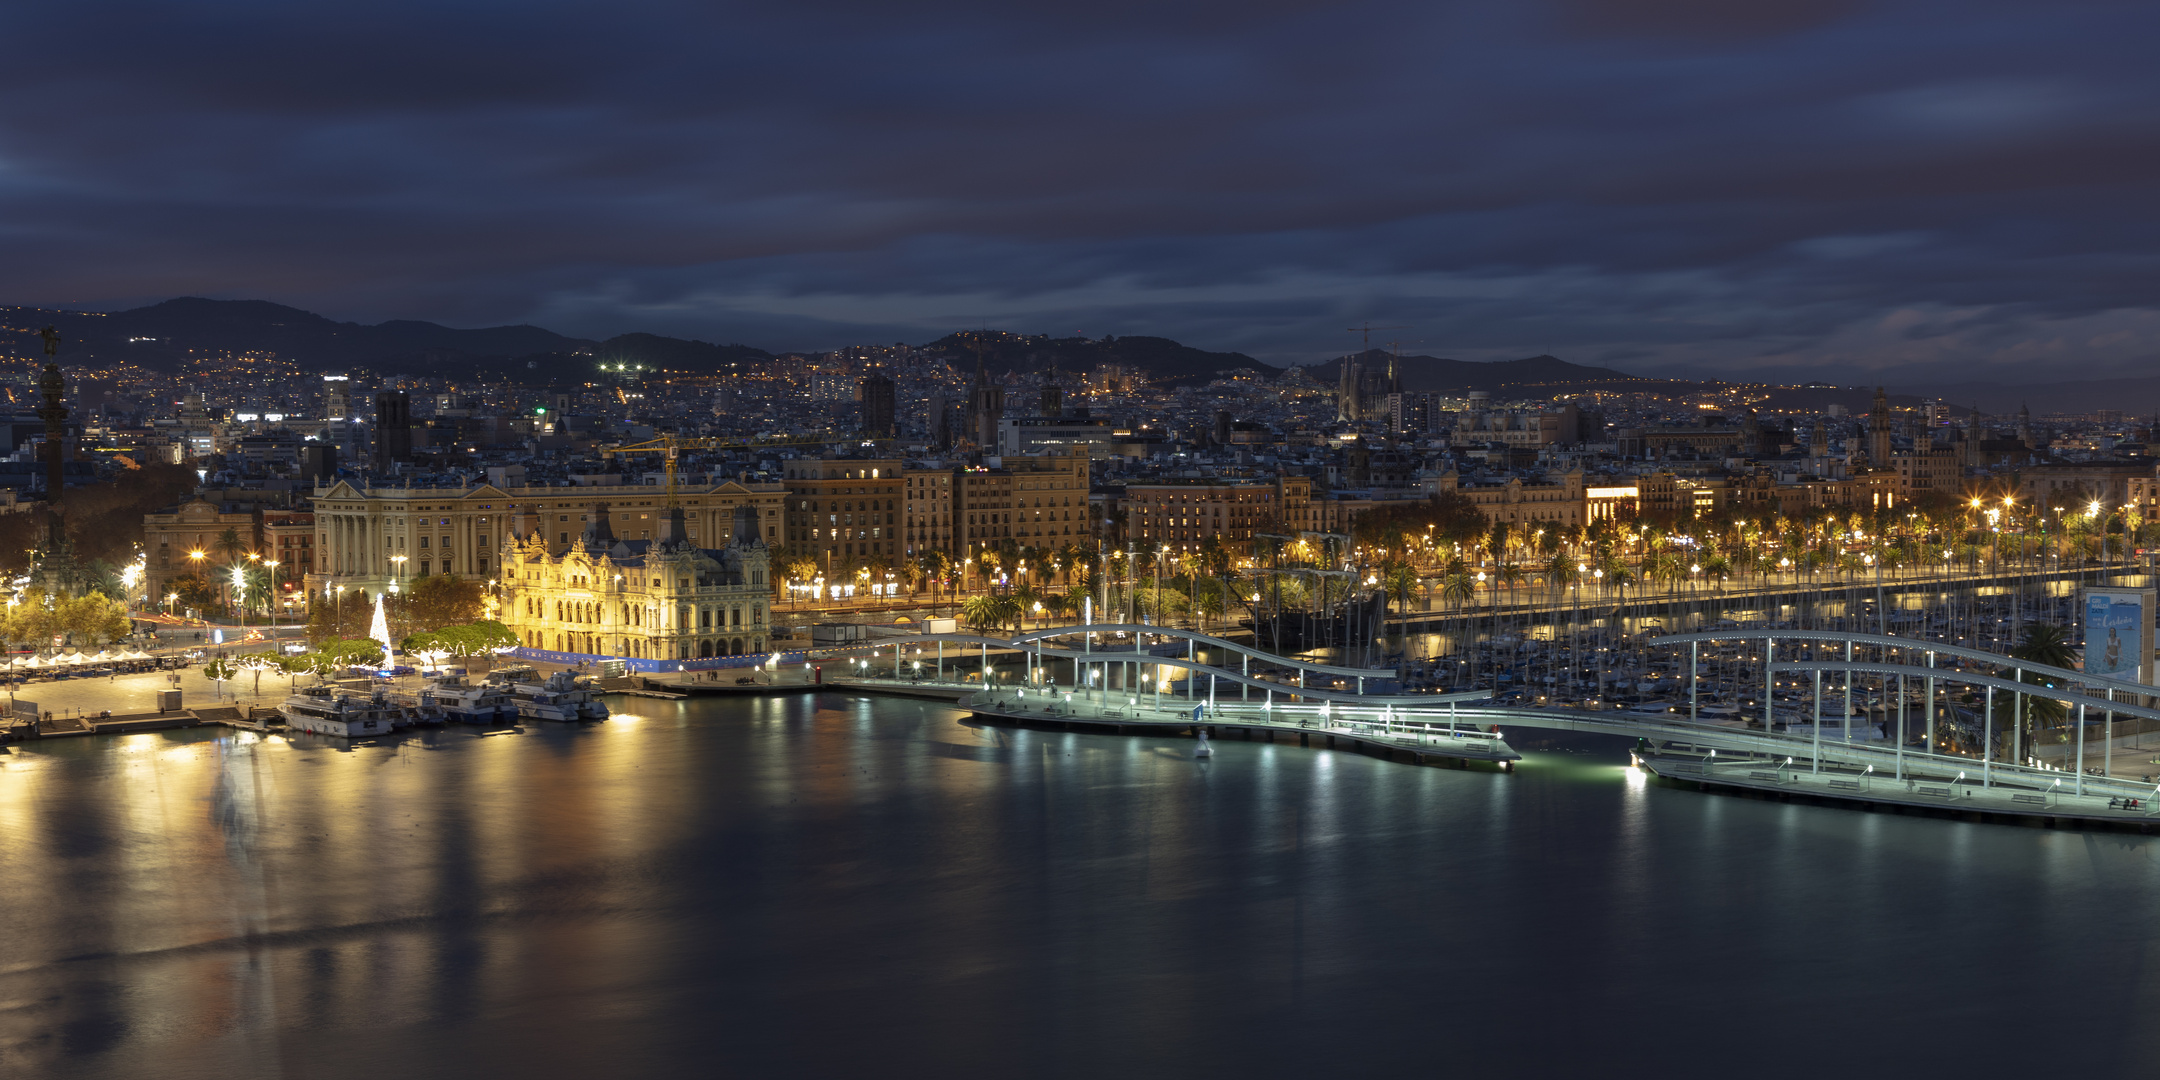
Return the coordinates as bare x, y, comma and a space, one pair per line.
366, 538
660, 598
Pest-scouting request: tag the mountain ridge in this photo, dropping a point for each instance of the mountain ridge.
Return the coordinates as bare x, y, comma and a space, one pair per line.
167, 335
1437, 374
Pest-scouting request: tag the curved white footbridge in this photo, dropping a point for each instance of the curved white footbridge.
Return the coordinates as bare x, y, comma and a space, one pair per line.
1106, 676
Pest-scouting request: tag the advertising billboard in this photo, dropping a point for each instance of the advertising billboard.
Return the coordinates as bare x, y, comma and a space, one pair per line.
2118, 633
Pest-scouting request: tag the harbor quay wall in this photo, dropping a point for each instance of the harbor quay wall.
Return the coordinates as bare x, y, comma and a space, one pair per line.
651, 667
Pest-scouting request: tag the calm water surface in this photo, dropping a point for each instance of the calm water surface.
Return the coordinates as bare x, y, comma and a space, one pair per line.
837, 886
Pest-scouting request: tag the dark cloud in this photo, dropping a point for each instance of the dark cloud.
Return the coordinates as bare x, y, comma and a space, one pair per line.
1821, 187
1704, 19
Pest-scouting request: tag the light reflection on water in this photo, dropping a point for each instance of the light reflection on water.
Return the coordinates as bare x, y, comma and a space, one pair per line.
836, 885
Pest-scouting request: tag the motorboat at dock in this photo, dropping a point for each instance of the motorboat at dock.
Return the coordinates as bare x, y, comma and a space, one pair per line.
467, 703
562, 696
344, 715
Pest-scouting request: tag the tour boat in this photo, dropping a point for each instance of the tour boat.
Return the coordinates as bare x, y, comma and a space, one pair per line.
346, 716
560, 696
460, 700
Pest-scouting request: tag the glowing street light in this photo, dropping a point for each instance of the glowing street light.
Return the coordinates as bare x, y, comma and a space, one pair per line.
239, 588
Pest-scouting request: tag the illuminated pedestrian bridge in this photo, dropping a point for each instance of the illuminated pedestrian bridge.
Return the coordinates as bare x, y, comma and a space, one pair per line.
1832, 715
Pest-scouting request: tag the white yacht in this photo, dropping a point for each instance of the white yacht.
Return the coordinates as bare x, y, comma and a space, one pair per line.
561, 696
346, 716
488, 703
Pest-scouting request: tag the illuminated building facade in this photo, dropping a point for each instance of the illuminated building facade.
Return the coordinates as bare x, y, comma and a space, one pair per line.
664, 598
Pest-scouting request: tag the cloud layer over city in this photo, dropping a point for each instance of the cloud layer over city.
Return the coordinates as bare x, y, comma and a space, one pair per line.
1896, 190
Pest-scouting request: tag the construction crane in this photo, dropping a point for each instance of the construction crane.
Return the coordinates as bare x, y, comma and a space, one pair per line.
670, 448
1365, 332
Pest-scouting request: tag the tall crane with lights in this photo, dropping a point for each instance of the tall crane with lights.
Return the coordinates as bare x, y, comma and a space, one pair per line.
670, 447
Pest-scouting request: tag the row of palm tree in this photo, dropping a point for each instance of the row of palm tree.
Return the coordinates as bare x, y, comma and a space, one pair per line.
1821, 546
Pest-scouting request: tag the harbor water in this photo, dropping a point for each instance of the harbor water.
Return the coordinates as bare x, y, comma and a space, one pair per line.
831, 885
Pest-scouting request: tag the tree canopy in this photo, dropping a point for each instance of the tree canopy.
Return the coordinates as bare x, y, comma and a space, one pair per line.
92, 618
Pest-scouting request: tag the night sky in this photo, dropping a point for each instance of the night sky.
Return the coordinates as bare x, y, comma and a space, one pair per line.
1844, 190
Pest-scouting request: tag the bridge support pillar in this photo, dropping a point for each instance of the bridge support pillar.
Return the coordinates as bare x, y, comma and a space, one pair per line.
2080, 788
1847, 723
1769, 685
1931, 707
1987, 734
2017, 720
1694, 679
1901, 727
1816, 765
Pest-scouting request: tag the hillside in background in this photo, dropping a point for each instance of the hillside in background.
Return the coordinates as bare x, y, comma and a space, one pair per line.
1435, 374
166, 336
1164, 360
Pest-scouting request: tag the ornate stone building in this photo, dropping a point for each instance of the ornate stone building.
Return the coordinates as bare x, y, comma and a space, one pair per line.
664, 598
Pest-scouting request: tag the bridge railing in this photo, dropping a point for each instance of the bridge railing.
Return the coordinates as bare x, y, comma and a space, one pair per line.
1109, 630
1035, 644
1891, 641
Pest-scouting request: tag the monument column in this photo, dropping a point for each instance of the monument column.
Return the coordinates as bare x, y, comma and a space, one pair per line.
55, 416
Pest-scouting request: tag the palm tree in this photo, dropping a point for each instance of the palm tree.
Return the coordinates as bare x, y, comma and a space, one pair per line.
1456, 584
1510, 575
984, 612
1076, 597
1400, 578
935, 568
2049, 644
1024, 599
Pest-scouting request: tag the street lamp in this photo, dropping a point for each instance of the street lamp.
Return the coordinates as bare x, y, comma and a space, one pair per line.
397, 572
273, 565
